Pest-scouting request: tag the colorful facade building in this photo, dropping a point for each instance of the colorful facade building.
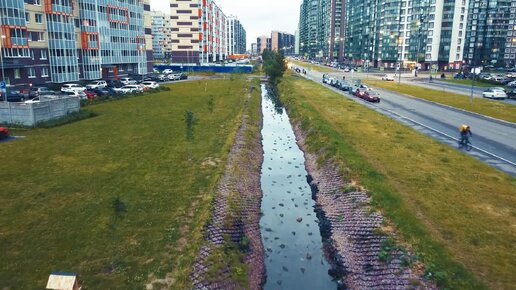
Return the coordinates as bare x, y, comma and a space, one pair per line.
198, 32
45, 41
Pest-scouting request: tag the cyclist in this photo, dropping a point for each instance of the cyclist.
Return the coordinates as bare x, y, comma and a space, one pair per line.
465, 133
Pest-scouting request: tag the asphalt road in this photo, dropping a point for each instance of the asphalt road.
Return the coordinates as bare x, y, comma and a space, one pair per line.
494, 140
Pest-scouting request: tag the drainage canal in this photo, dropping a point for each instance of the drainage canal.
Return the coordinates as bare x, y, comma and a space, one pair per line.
294, 257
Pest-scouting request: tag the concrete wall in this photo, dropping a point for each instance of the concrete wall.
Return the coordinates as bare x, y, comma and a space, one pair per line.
31, 114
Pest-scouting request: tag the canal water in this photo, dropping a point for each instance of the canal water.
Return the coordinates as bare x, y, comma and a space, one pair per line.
294, 257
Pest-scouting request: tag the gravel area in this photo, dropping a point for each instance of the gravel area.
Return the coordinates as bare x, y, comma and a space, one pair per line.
350, 228
236, 215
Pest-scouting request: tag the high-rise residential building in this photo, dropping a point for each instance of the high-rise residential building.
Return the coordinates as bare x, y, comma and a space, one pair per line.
46, 41
486, 36
158, 34
254, 49
510, 43
262, 43
282, 42
296, 45
198, 32
322, 29
414, 33
236, 36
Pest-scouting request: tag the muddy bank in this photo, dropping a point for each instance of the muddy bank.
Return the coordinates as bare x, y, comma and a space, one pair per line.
359, 244
234, 244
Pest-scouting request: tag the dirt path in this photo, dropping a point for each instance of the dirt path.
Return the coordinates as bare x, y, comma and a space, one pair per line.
234, 246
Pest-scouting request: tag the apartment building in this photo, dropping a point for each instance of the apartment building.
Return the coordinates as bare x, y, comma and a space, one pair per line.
262, 43
487, 34
158, 34
62, 41
322, 29
198, 32
510, 43
236, 35
411, 33
282, 41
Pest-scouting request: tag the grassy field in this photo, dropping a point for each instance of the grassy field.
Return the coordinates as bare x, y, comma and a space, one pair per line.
120, 198
486, 107
313, 66
478, 83
456, 212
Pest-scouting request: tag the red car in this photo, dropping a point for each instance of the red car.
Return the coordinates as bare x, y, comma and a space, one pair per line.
360, 92
90, 94
4, 133
371, 96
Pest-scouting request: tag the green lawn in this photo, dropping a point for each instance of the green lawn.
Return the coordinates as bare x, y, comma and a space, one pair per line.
478, 83
491, 108
58, 186
456, 212
315, 67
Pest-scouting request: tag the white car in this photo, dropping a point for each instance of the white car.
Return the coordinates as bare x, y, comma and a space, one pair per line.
174, 77
387, 78
129, 89
96, 85
127, 81
80, 95
150, 85
167, 71
32, 101
72, 88
512, 84
494, 93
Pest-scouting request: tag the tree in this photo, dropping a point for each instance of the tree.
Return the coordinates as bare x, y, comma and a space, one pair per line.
274, 66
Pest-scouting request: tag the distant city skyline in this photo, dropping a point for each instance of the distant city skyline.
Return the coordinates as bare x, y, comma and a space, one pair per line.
257, 17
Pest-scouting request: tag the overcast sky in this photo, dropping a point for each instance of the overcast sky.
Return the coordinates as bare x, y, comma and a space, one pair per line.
259, 17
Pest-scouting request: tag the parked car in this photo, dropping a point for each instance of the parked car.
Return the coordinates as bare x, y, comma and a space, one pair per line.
37, 91
359, 92
494, 93
150, 85
174, 77
512, 84
4, 133
155, 70
346, 69
12, 95
387, 78
90, 94
81, 95
183, 76
114, 83
33, 100
167, 71
512, 94
96, 85
127, 81
129, 89
72, 88
371, 96
345, 86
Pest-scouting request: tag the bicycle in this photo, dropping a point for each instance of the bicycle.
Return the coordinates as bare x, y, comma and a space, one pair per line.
466, 144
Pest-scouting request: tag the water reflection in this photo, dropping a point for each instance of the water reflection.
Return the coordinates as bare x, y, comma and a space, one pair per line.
293, 247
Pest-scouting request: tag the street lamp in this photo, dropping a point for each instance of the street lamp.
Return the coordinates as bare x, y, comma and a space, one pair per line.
400, 56
419, 25
2, 37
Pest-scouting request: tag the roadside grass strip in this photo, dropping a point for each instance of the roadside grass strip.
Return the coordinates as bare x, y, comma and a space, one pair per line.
457, 213
313, 66
478, 83
491, 108
122, 198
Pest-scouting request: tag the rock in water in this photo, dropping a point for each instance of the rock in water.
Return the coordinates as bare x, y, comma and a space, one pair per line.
299, 219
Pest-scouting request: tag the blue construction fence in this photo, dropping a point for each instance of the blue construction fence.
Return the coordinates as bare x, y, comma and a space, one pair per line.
211, 68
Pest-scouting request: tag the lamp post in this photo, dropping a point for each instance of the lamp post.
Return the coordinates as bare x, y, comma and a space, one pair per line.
2, 37
399, 46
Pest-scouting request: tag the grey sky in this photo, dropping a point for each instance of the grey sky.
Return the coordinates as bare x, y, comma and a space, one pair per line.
259, 17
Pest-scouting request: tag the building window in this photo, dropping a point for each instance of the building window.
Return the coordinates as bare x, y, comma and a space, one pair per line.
44, 71
27, 17
38, 18
44, 54
17, 74
32, 73
37, 2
